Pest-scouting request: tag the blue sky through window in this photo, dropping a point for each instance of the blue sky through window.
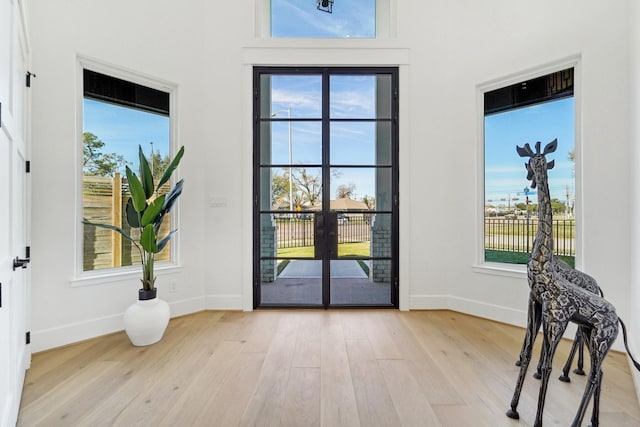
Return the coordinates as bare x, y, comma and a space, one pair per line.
352, 143
123, 129
505, 174
301, 18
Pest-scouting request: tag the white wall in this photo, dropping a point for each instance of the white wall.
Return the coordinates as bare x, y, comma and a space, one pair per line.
154, 38
451, 46
474, 43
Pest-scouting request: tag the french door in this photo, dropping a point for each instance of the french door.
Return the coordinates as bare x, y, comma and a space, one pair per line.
325, 187
14, 254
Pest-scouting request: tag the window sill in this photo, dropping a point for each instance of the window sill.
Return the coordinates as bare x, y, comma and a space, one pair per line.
500, 269
121, 275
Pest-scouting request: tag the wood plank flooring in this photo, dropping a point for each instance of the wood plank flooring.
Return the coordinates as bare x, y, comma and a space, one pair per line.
310, 368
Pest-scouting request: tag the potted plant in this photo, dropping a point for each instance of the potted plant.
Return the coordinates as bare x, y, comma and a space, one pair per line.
145, 211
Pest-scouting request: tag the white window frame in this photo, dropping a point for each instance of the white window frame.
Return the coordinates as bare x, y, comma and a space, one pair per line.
386, 18
110, 275
518, 270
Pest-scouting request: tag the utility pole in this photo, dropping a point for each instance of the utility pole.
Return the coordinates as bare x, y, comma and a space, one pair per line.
151, 157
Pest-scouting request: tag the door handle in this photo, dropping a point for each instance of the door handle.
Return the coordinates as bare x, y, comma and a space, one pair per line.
20, 262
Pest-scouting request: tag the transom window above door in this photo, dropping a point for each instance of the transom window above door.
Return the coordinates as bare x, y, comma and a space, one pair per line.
326, 19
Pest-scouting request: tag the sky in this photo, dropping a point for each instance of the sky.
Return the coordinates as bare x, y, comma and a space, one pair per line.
123, 129
351, 143
505, 174
349, 19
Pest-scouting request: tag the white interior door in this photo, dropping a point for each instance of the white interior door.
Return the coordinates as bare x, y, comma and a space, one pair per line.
14, 230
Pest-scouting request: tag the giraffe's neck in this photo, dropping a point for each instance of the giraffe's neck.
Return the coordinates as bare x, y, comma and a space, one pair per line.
542, 254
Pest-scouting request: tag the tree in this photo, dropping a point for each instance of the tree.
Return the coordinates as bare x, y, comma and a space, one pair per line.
309, 185
557, 206
279, 190
158, 164
370, 201
345, 191
95, 161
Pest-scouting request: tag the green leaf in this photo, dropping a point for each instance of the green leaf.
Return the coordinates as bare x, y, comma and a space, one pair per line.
165, 240
172, 196
133, 219
136, 190
148, 239
172, 166
145, 174
153, 210
109, 227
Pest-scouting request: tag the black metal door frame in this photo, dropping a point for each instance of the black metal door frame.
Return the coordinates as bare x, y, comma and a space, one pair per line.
326, 221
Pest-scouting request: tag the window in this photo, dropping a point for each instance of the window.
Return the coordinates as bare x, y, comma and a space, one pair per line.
539, 109
118, 116
341, 19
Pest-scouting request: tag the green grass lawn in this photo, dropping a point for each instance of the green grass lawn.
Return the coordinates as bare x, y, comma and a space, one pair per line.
519, 257
344, 249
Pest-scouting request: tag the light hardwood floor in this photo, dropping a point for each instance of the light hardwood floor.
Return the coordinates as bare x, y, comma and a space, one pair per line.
310, 368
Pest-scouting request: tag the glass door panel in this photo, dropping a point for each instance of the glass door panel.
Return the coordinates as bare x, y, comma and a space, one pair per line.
353, 283
360, 143
325, 188
301, 93
287, 143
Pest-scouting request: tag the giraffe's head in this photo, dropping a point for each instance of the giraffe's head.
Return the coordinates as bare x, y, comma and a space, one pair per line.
537, 163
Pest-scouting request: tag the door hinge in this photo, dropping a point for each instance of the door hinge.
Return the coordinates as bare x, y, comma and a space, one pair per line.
28, 337
28, 78
0, 295
395, 282
27, 166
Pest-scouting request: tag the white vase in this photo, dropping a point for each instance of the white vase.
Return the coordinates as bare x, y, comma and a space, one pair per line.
146, 320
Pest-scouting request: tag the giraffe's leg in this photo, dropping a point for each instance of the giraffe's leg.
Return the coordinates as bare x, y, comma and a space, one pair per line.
598, 348
579, 370
595, 415
538, 373
553, 331
534, 317
533, 325
592, 385
577, 344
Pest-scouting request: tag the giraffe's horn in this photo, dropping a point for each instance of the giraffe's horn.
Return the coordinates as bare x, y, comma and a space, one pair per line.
551, 147
538, 147
551, 164
525, 151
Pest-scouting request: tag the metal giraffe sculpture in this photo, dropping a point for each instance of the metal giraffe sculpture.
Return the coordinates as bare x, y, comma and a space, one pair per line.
584, 281
577, 278
561, 302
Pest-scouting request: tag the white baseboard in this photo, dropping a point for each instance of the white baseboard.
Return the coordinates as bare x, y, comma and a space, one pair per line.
8, 415
475, 308
74, 332
485, 310
58, 336
223, 302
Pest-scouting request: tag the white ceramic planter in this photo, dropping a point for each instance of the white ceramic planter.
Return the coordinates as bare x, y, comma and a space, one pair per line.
146, 320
